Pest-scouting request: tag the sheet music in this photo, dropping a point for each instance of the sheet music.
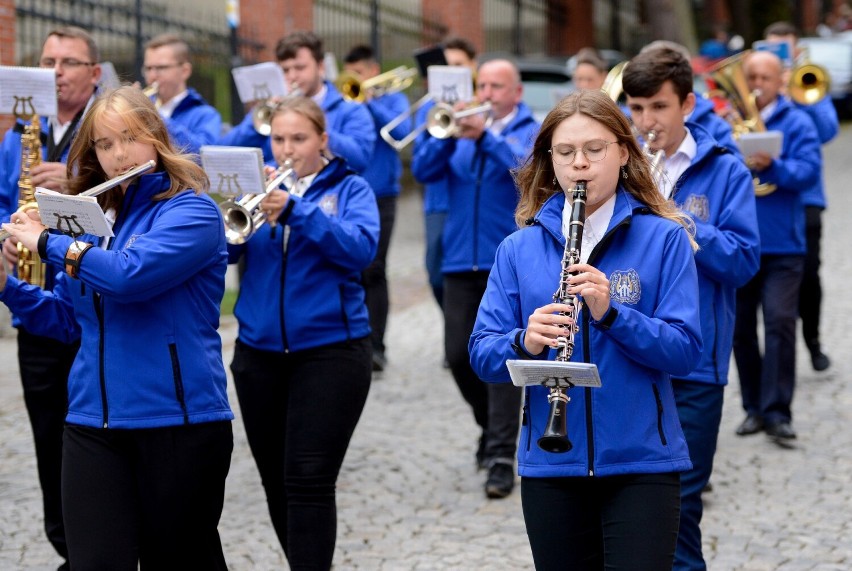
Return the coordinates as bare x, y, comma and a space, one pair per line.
72, 214
450, 83
259, 81
109, 77
39, 85
534, 372
233, 170
767, 141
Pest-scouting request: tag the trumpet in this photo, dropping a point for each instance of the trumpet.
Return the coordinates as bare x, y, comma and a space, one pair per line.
107, 185
261, 114
441, 122
353, 88
244, 216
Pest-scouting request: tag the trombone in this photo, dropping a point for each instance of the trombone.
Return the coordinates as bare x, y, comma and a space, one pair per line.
441, 121
244, 216
353, 88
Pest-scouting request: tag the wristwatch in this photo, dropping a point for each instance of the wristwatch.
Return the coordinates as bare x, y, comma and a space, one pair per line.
73, 257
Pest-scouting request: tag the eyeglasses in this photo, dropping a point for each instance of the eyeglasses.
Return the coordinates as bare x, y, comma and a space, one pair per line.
159, 68
594, 151
67, 63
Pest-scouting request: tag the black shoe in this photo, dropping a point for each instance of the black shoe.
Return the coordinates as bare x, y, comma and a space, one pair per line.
379, 361
781, 430
819, 360
501, 480
751, 425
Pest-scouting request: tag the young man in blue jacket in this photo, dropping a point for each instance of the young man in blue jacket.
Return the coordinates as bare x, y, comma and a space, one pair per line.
383, 174
482, 199
768, 381
714, 187
45, 362
350, 128
824, 116
191, 121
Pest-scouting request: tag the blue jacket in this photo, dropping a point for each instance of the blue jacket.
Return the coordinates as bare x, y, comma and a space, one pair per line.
716, 190
482, 194
385, 168
351, 133
435, 193
824, 116
307, 292
194, 123
10, 172
629, 424
719, 129
146, 310
780, 214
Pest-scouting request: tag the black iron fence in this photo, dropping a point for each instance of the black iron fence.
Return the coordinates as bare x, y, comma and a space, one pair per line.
518, 27
121, 28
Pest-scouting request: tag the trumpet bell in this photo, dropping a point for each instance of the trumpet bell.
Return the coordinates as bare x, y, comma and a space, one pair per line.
240, 222
808, 84
261, 118
442, 121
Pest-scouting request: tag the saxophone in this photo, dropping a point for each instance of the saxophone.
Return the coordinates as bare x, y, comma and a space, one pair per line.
555, 435
30, 267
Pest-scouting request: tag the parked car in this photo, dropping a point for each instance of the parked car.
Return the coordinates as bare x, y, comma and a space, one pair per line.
544, 85
835, 55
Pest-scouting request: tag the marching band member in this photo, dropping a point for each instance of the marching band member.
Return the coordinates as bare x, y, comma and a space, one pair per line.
590, 70
302, 359
45, 362
612, 500
147, 441
351, 134
383, 174
482, 196
191, 121
715, 189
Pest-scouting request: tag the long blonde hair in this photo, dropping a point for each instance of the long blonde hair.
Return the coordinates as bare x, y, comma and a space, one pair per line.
145, 125
535, 178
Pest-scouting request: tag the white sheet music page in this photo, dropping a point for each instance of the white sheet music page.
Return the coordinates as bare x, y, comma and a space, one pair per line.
535, 372
24, 89
450, 83
233, 170
769, 142
72, 214
260, 81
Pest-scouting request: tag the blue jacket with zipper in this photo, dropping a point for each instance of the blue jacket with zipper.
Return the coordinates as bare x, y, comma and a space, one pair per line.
716, 190
302, 288
629, 424
194, 123
824, 116
481, 190
146, 310
385, 167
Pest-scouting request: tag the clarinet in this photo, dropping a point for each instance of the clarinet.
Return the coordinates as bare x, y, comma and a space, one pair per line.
555, 436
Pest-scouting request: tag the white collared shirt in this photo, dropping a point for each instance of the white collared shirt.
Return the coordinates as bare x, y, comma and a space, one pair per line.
497, 125
166, 109
320, 95
594, 227
767, 111
59, 129
675, 165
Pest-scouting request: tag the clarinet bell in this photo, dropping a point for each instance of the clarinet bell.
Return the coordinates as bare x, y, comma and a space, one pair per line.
555, 436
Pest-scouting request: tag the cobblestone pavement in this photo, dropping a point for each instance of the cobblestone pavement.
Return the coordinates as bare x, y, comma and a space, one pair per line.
409, 496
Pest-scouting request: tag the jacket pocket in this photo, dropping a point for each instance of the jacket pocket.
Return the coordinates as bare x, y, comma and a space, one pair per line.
659, 415
178, 380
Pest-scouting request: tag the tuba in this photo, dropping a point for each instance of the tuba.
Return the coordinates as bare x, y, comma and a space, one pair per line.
612, 83
744, 117
244, 216
30, 267
555, 435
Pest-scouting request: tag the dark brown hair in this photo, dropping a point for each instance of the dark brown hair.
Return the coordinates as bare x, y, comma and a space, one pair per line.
289, 46
646, 73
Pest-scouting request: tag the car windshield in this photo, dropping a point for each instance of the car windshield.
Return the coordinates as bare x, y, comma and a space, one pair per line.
542, 97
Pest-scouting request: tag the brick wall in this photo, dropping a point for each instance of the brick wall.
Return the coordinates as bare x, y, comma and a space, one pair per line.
267, 21
461, 18
7, 47
571, 28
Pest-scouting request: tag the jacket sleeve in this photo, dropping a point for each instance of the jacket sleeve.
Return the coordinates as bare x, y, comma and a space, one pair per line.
824, 116
498, 322
670, 338
243, 135
510, 149
387, 108
800, 161
183, 239
431, 159
349, 239
355, 139
203, 129
730, 246
46, 313
10, 154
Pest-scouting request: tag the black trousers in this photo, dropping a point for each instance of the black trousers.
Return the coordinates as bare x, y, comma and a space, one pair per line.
496, 406
152, 496
619, 522
810, 293
44, 364
375, 278
300, 410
